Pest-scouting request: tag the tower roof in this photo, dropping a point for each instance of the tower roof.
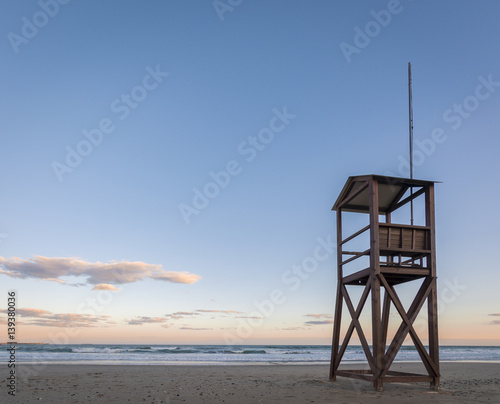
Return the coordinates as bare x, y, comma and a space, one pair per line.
390, 192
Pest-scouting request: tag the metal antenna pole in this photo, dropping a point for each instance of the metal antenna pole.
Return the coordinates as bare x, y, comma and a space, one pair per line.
410, 112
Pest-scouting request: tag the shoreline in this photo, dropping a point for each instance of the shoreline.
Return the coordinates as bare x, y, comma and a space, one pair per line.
225, 363
460, 382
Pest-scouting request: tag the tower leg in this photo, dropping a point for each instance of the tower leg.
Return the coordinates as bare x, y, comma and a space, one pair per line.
378, 351
336, 334
433, 332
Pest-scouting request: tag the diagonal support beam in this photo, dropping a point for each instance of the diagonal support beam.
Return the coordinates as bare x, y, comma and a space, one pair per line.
354, 194
385, 319
408, 199
403, 328
350, 330
428, 363
359, 329
397, 198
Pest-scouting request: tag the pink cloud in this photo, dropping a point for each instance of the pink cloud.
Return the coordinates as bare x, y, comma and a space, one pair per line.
319, 322
140, 320
105, 286
319, 315
97, 273
45, 318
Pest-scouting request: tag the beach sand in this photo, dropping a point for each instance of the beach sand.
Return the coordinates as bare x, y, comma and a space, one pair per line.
460, 383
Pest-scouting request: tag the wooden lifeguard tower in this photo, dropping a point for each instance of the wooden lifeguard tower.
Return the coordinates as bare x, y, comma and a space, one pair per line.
396, 254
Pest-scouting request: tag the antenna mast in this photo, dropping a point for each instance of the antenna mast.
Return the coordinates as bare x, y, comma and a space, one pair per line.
410, 124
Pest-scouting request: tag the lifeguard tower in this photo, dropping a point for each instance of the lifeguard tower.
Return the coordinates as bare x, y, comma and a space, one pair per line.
395, 254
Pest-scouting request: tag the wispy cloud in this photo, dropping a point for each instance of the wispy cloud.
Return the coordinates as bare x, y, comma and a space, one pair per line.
45, 318
97, 273
319, 322
319, 315
140, 320
195, 329
220, 311
494, 322
294, 328
327, 318
181, 314
251, 317
105, 286
199, 312
33, 312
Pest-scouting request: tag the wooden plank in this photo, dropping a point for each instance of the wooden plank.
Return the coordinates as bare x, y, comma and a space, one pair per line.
388, 219
338, 303
396, 373
432, 326
430, 221
339, 246
356, 276
407, 239
395, 251
386, 309
355, 252
397, 198
355, 375
405, 264
407, 379
401, 378
432, 312
360, 371
359, 254
336, 333
378, 350
408, 199
405, 271
404, 226
353, 235
374, 228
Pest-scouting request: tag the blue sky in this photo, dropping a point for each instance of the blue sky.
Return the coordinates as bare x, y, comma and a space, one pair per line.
184, 89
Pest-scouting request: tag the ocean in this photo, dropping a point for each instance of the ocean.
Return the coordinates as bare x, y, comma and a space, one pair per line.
221, 354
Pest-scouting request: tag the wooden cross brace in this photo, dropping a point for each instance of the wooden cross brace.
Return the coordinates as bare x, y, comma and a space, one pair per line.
406, 327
